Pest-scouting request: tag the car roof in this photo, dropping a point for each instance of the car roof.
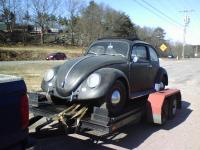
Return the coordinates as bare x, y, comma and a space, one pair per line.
54, 53
51, 54
128, 39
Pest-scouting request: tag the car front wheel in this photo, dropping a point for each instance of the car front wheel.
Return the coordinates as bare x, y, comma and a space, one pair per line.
115, 99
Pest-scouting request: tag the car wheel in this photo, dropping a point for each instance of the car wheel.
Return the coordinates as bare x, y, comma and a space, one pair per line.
160, 86
115, 99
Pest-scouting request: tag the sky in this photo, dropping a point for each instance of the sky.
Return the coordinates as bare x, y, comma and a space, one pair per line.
162, 13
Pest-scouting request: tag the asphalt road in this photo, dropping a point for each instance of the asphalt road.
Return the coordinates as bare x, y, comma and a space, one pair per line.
181, 133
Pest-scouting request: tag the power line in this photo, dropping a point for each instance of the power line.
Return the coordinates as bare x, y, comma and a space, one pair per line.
186, 23
147, 8
185, 4
157, 13
169, 18
196, 16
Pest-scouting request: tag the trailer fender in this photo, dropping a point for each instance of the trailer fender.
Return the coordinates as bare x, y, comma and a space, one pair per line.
160, 102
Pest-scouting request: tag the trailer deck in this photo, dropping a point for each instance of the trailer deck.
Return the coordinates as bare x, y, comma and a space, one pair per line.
158, 107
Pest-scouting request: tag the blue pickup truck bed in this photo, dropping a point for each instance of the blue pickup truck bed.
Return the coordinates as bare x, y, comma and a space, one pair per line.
13, 111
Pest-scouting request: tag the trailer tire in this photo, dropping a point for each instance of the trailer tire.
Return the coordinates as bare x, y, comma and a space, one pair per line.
173, 107
115, 99
165, 112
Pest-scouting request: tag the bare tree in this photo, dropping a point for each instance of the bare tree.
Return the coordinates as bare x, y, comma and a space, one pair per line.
6, 14
91, 22
24, 18
42, 9
145, 33
73, 11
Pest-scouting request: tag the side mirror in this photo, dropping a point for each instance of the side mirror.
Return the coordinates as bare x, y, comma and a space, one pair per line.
134, 58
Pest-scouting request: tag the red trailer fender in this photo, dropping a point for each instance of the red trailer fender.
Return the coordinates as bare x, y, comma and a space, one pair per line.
161, 105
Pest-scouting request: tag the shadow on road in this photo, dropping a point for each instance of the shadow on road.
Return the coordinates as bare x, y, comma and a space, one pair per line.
128, 137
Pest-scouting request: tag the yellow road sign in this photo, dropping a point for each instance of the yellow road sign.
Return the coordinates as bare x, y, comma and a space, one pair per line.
163, 47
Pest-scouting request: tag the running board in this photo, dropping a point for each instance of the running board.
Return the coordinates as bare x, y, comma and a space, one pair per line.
141, 94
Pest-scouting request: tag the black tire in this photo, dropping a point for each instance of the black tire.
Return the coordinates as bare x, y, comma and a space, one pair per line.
115, 107
165, 112
161, 85
173, 107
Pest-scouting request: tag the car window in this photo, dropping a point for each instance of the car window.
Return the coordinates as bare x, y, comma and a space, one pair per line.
140, 52
110, 48
153, 54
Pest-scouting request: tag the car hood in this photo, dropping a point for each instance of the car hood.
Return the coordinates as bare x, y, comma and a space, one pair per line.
73, 72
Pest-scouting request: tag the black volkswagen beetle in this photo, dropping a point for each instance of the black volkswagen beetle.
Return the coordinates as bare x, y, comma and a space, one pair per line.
112, 72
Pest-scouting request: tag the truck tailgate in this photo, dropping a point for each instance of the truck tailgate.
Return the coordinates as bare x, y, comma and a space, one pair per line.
11, 91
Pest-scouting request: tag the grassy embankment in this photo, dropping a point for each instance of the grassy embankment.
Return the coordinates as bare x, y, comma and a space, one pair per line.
33, 72
18, 52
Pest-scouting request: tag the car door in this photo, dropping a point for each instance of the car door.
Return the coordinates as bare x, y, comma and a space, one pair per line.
139, 69
59, 56
154, 65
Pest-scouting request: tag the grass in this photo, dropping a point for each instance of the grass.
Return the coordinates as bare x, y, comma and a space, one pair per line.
51, 48
19, 52
32, 73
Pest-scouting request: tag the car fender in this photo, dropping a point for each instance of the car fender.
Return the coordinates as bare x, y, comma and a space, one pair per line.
161, 73
108, 78
45, 86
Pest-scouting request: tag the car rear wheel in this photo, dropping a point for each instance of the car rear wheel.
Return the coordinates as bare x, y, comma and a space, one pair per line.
161, 85
115, 99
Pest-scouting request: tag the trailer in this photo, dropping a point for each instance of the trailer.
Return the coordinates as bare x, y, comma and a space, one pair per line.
156, 108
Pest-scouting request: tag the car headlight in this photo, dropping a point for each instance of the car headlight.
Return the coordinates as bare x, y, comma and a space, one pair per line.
49, 75
93, 80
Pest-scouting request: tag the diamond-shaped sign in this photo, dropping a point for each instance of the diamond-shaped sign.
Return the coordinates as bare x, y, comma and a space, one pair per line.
163, 47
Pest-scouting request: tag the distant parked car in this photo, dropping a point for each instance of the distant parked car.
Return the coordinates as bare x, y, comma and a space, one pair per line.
170, 56
56, 56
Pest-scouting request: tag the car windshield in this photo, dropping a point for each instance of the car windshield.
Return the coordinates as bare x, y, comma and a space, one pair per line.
109, 48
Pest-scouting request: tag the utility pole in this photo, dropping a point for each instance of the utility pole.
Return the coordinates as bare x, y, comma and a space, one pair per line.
186, 23
196, 52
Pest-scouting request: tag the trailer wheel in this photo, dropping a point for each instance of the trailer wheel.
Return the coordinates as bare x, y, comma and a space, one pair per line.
115, 99
165, 112
173, 107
